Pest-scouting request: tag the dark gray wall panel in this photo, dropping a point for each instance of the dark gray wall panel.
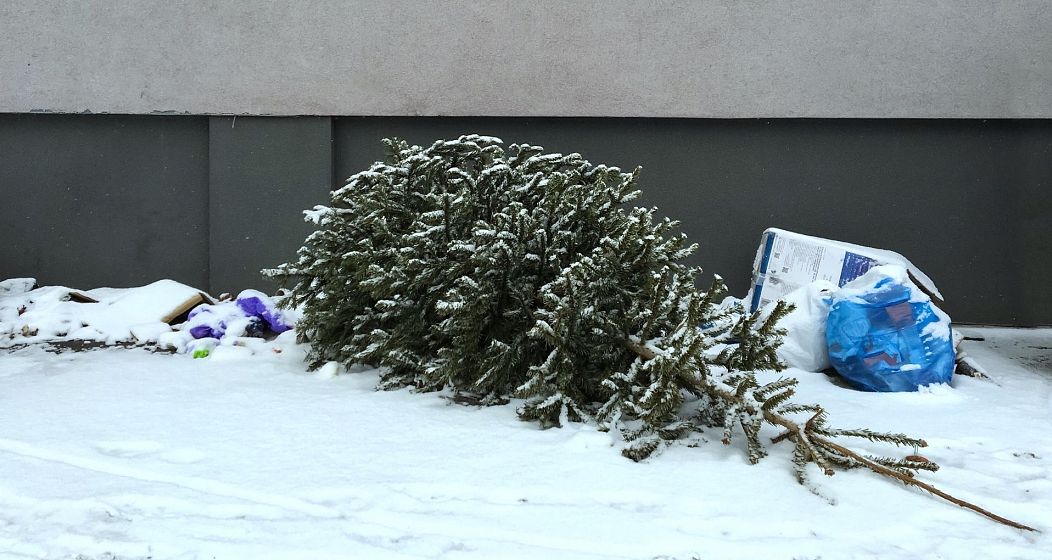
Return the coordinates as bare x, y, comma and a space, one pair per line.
91, 201
263, 172
965, 200
1035, 220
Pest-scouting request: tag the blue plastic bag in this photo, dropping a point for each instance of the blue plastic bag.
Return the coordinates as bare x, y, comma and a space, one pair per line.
884, 334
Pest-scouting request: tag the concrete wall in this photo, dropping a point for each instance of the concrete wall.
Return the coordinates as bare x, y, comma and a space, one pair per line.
731, 58
263, 172
129, 196
114, 201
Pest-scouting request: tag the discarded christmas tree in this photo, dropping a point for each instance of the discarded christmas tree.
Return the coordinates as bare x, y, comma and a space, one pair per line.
517, 273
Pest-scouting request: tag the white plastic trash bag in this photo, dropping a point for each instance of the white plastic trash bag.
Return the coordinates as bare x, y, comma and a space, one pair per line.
804, 345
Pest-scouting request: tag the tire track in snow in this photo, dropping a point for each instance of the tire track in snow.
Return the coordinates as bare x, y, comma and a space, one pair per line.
202, 485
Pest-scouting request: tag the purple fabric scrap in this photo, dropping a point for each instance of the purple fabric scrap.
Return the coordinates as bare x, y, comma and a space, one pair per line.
256, 304
205, 323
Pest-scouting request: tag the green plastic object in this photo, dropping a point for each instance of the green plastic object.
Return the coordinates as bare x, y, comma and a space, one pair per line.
201, 353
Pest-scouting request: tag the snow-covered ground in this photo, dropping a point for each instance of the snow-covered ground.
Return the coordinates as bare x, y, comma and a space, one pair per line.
128, 454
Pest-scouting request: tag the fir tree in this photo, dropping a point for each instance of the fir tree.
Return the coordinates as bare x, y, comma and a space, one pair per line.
524, 274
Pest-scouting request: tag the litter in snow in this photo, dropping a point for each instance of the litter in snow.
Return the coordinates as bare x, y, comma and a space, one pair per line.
786, 261
110, 315
869, 349
884, 334
241, 322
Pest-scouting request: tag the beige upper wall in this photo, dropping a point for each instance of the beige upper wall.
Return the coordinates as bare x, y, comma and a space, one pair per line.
810, 58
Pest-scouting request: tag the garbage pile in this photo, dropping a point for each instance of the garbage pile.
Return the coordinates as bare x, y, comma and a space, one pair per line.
252, 315
165, 315
31, 314
867, 313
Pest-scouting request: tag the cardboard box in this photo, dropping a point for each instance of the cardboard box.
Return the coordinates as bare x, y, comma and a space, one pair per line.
179, 313
787, 260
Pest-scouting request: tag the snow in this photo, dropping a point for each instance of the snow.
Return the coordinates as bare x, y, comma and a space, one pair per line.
47, 313
939, 329
131, 454
14, 286
316, 215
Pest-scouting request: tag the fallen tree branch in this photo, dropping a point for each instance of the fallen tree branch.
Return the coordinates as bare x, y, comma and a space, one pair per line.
806, 438
909, 481
797, 433
967, 367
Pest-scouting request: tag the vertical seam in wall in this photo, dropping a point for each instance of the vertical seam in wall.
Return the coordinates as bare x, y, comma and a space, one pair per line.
332, 153
208, 205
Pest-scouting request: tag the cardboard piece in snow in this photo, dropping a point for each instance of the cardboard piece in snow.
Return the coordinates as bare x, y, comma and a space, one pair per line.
179, 313
81, 297
787, 260
166, 301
